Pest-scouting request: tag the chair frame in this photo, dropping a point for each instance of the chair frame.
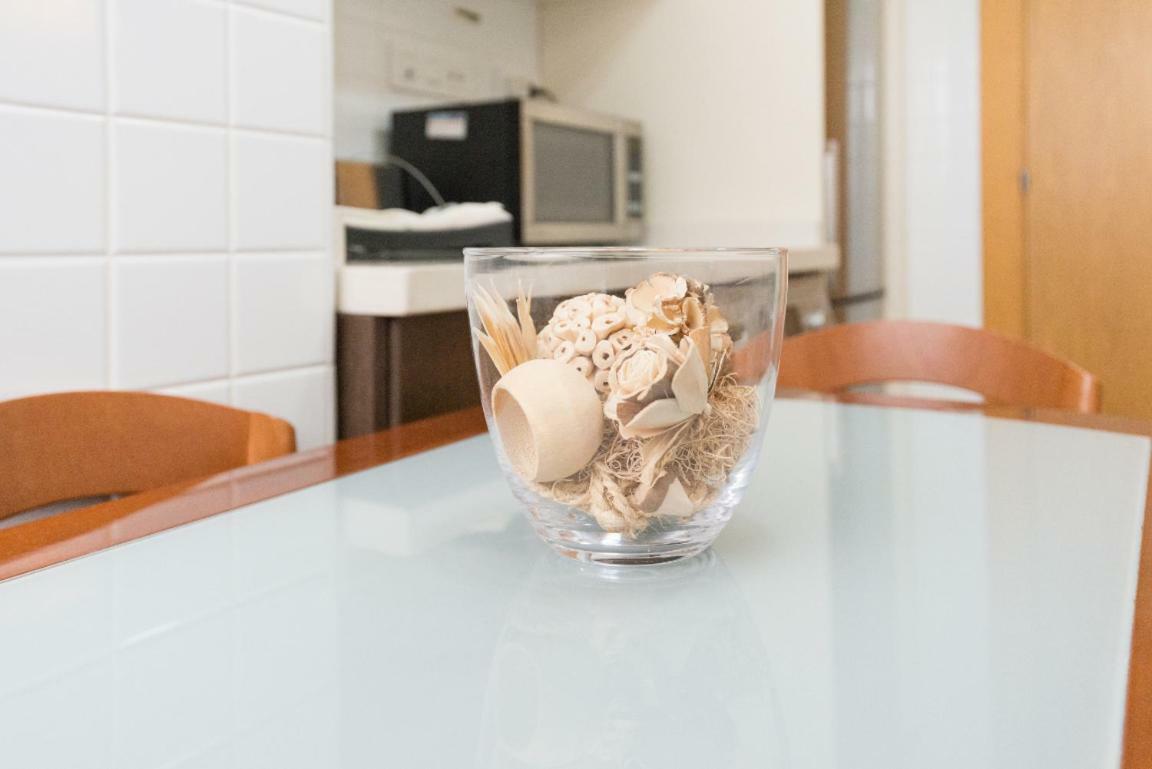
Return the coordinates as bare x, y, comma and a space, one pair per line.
66, 446
1005, 371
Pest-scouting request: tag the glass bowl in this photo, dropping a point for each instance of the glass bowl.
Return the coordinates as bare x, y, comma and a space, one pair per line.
627, 389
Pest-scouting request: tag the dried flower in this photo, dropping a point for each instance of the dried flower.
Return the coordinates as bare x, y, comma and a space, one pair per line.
584, 329
656, 302
623, 339
673, 304
657, 386
638, 372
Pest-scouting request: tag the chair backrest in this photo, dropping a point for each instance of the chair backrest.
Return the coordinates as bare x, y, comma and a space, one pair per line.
67, 446
1005, 371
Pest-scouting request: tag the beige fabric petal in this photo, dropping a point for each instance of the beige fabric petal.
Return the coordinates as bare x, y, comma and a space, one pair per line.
622, 410
690, 383
703, 341
654, 419
654, 451
650, 495
693, 313
664, 344
676, 502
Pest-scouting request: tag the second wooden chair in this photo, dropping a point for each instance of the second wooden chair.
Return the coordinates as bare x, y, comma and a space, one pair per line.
1003, 370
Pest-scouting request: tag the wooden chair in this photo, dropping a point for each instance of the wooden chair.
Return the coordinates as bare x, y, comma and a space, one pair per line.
66, 446
1005, 371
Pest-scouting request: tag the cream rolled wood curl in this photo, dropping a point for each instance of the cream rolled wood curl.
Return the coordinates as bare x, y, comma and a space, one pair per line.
586, 342
549, 417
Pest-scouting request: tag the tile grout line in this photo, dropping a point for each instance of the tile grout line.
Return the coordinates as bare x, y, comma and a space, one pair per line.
111, 316
249, 7
160, 121
228, 381
331, 429
32, 256
127, 256
230, 116
158, 253
17, 106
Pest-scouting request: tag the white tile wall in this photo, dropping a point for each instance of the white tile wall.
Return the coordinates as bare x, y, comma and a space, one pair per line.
304, 393
146, 143
171, 187
281, 72
171, 59
282, 187
219, 391
52, 325
51, 183
170, 322
312, 9
283, 313
32, 69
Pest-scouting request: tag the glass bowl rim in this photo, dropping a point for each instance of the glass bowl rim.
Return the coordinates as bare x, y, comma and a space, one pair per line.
634, 252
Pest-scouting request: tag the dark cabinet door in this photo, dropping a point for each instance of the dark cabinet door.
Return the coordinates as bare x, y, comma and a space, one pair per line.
396, 370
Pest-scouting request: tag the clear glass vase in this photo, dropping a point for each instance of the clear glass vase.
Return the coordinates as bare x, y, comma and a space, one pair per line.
627, 389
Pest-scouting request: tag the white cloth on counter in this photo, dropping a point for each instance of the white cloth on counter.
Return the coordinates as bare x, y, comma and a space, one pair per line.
452, 216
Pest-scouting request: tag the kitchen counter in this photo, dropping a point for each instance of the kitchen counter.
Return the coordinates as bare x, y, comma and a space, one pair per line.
401, 289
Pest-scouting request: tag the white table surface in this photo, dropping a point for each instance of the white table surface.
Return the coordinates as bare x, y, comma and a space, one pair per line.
899, 589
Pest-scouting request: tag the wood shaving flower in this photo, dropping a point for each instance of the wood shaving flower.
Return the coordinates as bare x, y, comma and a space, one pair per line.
638, 372
578, 327
657, 386
673, 304
656, 302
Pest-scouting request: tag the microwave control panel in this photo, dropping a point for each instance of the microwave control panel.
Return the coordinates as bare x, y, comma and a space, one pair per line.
635, 201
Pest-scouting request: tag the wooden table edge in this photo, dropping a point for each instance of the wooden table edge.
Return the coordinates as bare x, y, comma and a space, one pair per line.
39, 544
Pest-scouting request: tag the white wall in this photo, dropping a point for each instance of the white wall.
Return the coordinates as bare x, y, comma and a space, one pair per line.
165, 194
932, 118
732, 98
497, 54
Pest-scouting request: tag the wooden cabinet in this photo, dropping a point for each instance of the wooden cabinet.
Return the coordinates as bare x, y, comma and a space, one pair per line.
395, 370
1067, 113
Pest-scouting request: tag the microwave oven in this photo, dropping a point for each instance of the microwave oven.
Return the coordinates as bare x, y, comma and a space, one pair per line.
565, 175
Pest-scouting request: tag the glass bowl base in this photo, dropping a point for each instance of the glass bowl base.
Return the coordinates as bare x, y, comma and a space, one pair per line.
649, 558
575, 534
614, 549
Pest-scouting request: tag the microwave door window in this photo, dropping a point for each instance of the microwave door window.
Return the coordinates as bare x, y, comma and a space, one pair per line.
574, 175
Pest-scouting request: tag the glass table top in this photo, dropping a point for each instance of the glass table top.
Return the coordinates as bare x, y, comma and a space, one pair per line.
899, 589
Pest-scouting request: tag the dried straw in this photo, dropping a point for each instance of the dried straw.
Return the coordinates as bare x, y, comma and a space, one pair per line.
701, 455
713, 444
509, 339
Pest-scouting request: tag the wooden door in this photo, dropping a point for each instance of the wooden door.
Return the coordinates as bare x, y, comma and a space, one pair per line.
1084, 287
